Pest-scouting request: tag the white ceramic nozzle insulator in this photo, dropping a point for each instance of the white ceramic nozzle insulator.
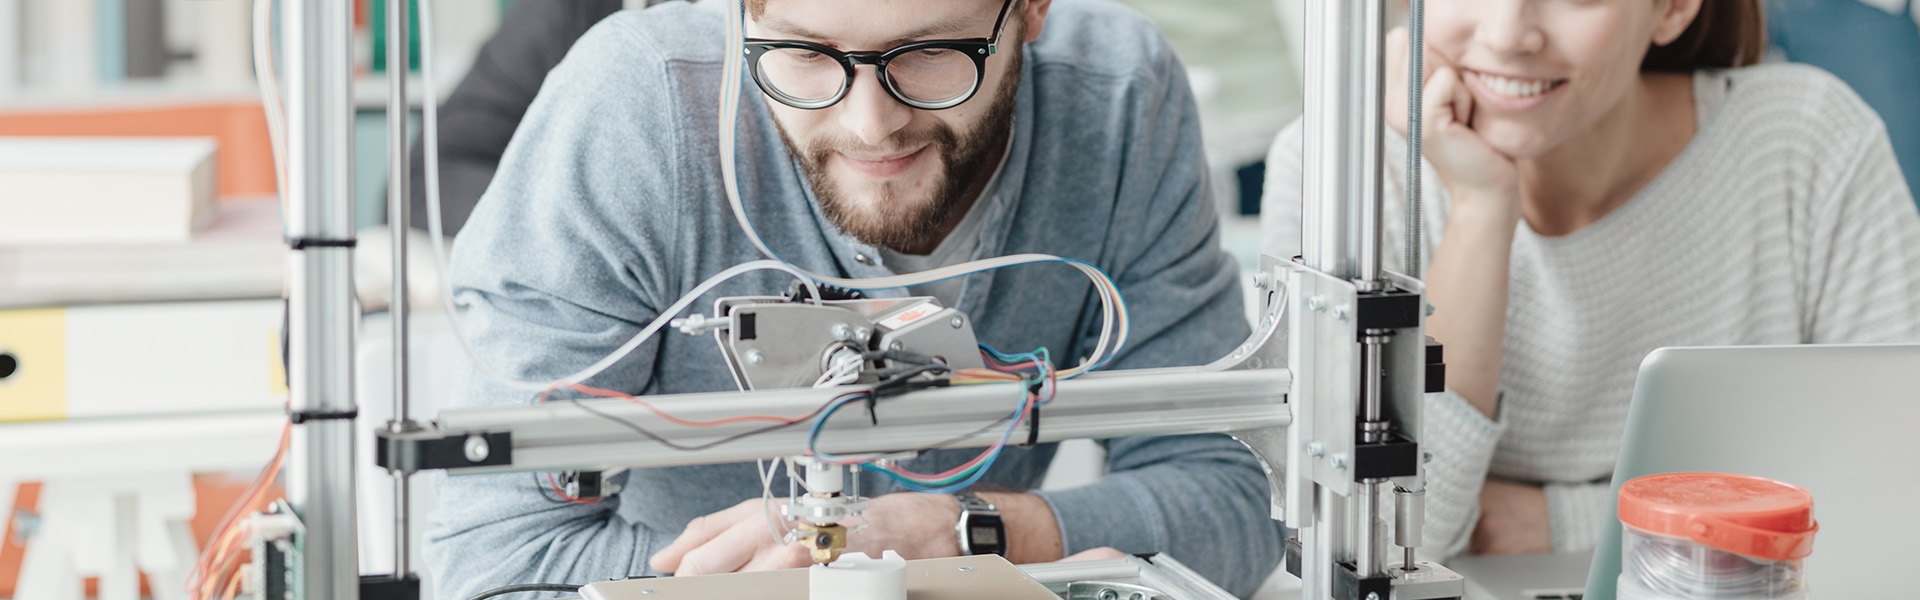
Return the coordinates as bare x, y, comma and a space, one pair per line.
857, 576
825, 478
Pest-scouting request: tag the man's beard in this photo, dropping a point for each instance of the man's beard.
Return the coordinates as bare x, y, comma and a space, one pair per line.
898, 222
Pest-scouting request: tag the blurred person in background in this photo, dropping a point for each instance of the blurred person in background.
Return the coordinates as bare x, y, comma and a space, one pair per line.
1603, 178
1874, 46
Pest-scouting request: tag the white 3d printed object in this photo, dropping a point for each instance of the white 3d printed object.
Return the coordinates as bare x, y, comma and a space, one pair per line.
857, 576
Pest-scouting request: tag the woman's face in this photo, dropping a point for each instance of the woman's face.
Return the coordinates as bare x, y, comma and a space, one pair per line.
1544, 71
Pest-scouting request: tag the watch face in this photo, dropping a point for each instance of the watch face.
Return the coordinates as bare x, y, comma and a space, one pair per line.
984, 536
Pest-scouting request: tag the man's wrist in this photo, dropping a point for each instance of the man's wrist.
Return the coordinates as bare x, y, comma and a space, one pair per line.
979, 528
1033, 531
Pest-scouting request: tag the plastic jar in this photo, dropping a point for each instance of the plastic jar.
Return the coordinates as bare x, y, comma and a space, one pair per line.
1700, 536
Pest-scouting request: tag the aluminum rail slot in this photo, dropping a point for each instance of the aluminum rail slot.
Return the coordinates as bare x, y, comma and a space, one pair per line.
560, 436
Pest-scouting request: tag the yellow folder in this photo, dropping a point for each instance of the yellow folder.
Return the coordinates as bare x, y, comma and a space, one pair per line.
36, 387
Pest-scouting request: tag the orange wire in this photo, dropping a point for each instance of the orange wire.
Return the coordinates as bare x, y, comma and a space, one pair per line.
216, 554
233, 585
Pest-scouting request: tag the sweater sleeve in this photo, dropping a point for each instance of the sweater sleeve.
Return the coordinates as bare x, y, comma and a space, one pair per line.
1862, 265
547, 287
1202, 499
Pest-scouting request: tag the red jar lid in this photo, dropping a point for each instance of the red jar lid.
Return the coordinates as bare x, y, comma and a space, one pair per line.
1749, 516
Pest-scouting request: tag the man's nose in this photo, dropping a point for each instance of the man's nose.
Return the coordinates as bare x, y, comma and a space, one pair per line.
868, 111
1508, 27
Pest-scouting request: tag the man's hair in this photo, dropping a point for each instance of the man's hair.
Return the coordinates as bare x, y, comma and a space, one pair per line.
1726, 33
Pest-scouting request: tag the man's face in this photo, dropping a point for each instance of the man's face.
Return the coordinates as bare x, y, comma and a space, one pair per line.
884, 172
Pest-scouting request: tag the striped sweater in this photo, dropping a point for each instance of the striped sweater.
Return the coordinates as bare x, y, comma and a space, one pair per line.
1784, 221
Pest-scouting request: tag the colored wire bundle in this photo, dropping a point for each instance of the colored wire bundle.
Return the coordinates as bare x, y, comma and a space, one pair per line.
1036, 390
218, 568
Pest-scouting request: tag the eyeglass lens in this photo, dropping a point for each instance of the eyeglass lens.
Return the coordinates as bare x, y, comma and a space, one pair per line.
928, 75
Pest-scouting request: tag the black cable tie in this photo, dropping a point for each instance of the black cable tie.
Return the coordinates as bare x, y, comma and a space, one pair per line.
1033, 414
1033, 426
305, 243
302, 416
872, 401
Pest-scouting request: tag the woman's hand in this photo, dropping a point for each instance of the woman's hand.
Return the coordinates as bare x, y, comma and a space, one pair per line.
1513, 519
1473, 171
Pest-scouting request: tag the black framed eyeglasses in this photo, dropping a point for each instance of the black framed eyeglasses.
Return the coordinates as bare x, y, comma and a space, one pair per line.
928, 75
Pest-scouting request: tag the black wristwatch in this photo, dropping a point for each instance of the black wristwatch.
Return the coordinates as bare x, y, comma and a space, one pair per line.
980, 529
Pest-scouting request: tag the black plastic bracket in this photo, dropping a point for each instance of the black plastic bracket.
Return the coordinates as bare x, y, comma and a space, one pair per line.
1393, 309
413, 451
1396, 457
1436, 367
585, 485
389, 587
1349, 585
1292, 557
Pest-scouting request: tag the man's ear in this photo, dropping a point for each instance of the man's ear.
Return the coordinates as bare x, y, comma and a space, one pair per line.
1671, 18
1036, 16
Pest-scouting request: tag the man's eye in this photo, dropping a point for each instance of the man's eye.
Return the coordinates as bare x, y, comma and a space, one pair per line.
807, 55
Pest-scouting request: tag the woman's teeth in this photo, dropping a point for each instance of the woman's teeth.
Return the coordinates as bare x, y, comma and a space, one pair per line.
1516, 88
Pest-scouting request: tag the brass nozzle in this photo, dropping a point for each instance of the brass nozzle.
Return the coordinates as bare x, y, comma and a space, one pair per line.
825, 541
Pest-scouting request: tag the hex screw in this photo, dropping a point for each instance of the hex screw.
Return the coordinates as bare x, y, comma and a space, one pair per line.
957, 322
477, 449
1317, 303
755, 357
1340, 312
1340, 462
842, 332
1314, 449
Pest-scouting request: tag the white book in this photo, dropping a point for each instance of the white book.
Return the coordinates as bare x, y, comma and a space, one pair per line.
242, 255
141, 359
105, 190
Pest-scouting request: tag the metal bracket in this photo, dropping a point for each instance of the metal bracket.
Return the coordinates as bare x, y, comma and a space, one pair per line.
390, 587
1396, 457
1349, 585
414, 451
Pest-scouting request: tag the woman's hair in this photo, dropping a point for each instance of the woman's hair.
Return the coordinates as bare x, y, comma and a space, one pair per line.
1726, 33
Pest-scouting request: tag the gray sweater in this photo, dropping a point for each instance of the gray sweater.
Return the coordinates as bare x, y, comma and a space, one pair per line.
1785, 221
608, 207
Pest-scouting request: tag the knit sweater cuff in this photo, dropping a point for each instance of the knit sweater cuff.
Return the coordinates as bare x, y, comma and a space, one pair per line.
1462, 442
1577, 511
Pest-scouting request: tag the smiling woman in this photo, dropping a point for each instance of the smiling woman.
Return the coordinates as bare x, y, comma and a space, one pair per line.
1602, 178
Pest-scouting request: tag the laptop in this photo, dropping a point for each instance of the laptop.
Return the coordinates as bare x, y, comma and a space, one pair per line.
1836, 420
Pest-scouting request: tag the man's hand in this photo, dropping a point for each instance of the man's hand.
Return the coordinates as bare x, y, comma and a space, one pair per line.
736, 539
1513, 519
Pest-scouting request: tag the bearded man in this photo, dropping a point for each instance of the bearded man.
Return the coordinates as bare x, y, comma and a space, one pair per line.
877, 137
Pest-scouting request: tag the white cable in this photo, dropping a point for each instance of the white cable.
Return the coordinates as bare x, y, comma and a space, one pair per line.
431, 136
269, 85
1113, 331
1114, 323
766, 498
